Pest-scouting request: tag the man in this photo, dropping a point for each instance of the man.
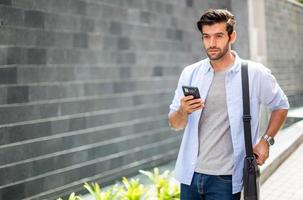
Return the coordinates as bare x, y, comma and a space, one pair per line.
211, 156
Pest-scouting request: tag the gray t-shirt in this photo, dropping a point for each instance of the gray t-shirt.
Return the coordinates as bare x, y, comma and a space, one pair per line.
215, 144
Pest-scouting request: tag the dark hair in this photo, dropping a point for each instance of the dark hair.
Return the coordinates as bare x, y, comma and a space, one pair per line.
214, 16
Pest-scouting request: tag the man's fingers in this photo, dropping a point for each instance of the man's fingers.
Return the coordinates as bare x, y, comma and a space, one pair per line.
195, 101
187, 98
189, 104
260, 159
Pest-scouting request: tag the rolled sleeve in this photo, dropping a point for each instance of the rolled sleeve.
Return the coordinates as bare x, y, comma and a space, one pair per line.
271, 94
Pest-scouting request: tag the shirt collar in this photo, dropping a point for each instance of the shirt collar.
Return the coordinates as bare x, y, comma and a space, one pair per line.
234, 68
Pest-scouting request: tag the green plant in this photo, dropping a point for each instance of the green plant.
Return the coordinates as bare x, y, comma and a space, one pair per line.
170, 192
95, 190
72, 196
164, 188
132, 190
300, 1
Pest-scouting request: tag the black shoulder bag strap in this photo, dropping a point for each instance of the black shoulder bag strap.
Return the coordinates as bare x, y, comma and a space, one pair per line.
251, 171
246, 110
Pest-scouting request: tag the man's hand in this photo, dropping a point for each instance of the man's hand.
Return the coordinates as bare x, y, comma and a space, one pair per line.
189, 104
261, 151
178, 119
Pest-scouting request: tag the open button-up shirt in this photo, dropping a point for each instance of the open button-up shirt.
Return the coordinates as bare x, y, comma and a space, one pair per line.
263, 89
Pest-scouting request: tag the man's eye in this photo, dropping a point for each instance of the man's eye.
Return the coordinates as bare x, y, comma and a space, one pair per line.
219, 36
205, 36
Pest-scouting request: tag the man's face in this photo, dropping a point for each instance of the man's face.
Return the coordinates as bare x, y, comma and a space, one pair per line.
216, 40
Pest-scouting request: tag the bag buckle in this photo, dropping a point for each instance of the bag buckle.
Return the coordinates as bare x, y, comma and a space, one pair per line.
246, 118
251, 167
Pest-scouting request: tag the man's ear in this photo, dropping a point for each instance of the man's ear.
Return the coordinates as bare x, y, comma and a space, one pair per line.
233, 37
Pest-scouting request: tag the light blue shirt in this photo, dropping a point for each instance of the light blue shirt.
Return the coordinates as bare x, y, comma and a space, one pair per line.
263, 89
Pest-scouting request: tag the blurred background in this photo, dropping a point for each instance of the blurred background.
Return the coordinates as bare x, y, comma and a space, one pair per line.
85, 85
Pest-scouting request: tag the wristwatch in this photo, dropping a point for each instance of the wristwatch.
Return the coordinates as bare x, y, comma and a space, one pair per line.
270, 140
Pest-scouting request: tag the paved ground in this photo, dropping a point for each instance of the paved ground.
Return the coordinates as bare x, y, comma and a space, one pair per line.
287, 181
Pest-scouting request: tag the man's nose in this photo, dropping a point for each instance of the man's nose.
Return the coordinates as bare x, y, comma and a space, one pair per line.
212, 42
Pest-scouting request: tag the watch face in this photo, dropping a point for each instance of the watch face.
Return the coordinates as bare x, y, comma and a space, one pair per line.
271, 141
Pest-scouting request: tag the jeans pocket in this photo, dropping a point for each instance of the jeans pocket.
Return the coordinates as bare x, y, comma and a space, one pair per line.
225, 178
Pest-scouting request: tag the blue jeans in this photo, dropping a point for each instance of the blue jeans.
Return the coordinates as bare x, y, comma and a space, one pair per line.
209, 187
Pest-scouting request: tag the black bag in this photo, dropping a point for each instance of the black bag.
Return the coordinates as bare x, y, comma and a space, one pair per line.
251, 172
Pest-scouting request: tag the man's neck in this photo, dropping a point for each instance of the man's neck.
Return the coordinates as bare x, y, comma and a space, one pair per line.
223, 63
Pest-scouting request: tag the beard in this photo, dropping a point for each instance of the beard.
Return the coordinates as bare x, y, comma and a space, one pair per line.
215, 53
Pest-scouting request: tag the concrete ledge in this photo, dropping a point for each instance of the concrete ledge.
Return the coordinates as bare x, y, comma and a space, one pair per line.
287, 141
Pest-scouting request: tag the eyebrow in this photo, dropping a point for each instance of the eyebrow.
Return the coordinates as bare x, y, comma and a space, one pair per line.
220, 33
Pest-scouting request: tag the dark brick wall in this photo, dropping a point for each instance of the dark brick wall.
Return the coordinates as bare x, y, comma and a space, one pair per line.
85, 88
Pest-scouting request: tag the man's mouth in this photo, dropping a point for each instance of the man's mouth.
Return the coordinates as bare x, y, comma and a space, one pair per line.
213, 50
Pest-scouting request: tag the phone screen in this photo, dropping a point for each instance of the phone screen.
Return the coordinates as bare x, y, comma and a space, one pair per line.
189, 90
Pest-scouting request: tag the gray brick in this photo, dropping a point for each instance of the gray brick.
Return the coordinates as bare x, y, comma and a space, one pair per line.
55, 56
44, 38
23, 113
61, 22
27, 4
174, 34
17, 94
80, 40
157, 71
3, 56
43, 5
5, 34
78, 7
125, 72
63, 40
3, 96
6, 2
115, 28
11, 16
125, 58
36, 56
169, 9
124, 43
110, 43
145, 17
16, 55
189, 3
86, 25
8, 75
22, 37
160, 7
221, 4
34, 19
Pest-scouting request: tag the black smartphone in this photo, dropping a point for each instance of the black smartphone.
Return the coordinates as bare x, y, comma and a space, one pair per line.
189, 90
